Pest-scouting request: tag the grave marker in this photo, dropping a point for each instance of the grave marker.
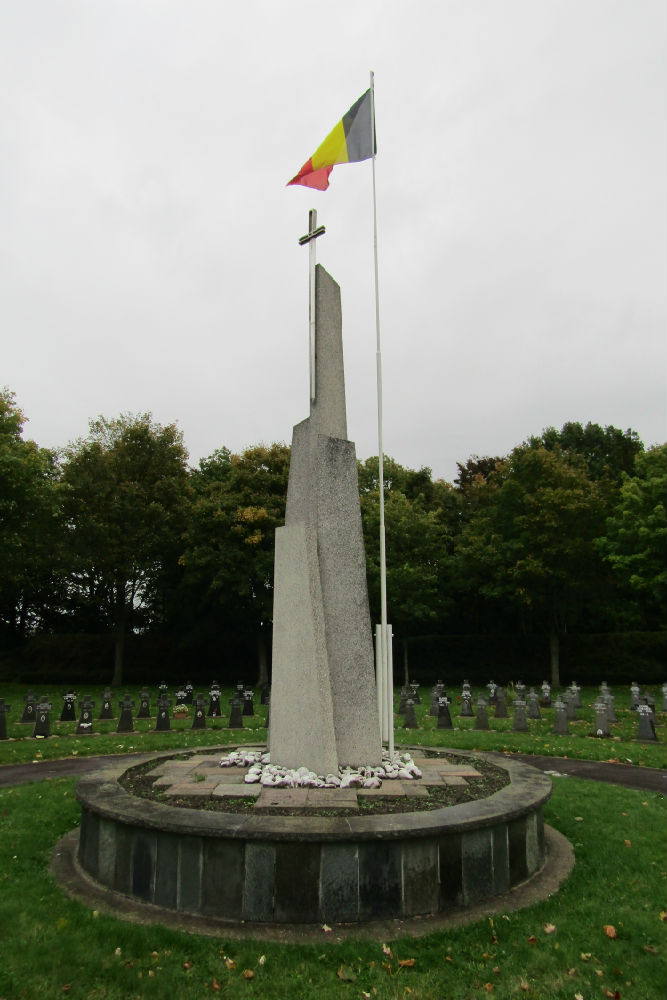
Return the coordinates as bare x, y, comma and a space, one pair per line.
520, 725
144, 704
214, 694
561, 727
106, 712
646, 732
125, 721
444, 716
601, 717
42, 728
410, 718
248, 703
68, 714
162, 722
466, 704
501, 704
199, 715
4, 709
30, 707
85, 724
236, 714
482, 719
545, 700
533, 705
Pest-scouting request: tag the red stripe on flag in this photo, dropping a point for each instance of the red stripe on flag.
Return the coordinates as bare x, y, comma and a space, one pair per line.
318, 179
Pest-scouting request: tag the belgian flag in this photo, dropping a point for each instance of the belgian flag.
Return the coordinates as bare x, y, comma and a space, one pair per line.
350, 141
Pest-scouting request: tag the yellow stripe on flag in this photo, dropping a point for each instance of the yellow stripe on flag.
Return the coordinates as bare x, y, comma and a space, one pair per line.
332, 150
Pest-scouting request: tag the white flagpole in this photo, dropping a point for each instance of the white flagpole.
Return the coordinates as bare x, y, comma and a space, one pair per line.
383, 562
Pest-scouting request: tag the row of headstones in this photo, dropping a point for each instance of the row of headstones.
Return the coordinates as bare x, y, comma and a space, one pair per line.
528, 707
37, 711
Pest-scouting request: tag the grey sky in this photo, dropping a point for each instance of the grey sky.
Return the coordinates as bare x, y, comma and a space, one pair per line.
148, 244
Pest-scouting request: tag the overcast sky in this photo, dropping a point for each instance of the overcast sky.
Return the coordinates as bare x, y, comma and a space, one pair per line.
148, 243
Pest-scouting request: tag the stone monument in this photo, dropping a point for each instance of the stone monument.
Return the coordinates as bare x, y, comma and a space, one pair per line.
324, 710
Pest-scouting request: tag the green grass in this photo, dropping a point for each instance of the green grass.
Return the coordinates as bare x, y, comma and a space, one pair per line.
581, 743
53, 946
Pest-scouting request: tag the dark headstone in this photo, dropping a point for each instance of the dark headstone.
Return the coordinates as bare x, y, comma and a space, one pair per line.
188, 693
561, 727
520, 690
265, 695
42, 728
414, 693
125, 721
144, 704
181, 697
492, 692
68, 713
444, 716
248, 703
199, 714
214, 695
106, 712
520, 724
30, 707
482, 718
409, 717
162, 688
236, 714
646, 725
85, 724
403, 700
437, 691
162, 721
501, 704
533, 705
4, 709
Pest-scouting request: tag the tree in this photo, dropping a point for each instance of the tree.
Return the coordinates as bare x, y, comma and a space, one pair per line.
530, 538
634, 541
229, 545
418, 544
608, 452
30, 525
125, 500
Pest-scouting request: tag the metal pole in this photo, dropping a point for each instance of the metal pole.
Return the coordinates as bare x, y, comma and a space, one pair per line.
379, 685
312, 219
383, 558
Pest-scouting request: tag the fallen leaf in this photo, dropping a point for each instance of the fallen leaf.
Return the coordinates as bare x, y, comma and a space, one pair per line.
586, 956
326, 928
346, 974
488, 987
406, 963
532, 939
150, 974
599, 972
612, 994
523, 985
67, 987
650, 949
496, 970
448, 958
61, 922
96, 913
215, 986
549, 928
387, 950
571, 973
663, 914
248, 974
261, 960
628, 843
230, 963
610, 930
186, 965
579, 819
578, 996
365, 995
117, 952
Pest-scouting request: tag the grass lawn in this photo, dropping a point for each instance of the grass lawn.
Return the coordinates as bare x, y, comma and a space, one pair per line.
51, 946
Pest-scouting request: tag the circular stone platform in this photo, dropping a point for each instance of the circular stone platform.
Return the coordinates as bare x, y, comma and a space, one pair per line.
301, 869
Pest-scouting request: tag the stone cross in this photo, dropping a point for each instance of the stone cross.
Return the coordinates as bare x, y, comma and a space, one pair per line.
436, 691
444, 716
214, 710
4, 709
199, 714
520, 724
546, 694
634, 695
162, 722
609, 699
492, 692
520, 691
29, 710
410, 718
466, 704
601, 717
482, 719
42, 728
576, 697
144, 704
313, 232
414, 688
533, 705
646, 725
501, 704
570, 706
106, 712
68, 714
85, 724
125, 721
236, 714
561, 727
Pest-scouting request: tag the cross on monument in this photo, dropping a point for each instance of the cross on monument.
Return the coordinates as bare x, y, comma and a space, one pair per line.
313, 232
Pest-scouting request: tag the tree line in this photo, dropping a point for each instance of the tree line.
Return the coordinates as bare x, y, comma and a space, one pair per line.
116, 535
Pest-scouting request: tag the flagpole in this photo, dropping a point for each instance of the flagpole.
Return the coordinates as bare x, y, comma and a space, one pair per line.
386, 639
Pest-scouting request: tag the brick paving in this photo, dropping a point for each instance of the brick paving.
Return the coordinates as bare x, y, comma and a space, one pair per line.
201, 777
